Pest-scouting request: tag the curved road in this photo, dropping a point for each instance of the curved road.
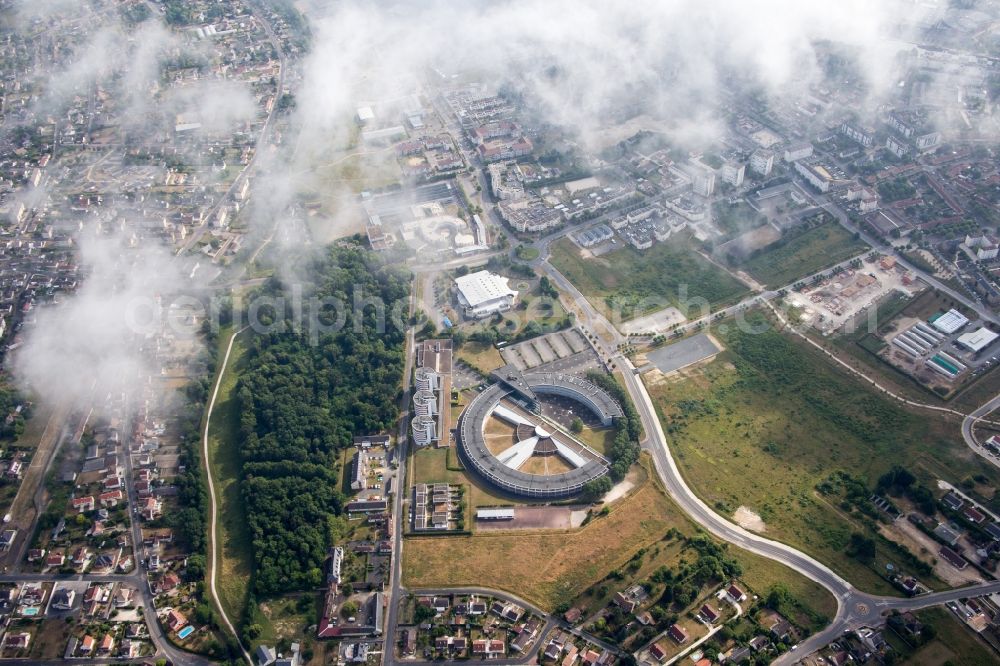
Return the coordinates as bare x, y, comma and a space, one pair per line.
854, 608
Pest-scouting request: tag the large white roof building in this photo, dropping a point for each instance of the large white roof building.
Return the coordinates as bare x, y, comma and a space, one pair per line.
978, 340
950, 322
483, 293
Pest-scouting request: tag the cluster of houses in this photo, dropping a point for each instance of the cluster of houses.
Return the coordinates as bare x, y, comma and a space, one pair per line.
433, 506
25, 606
967, 523
466, 626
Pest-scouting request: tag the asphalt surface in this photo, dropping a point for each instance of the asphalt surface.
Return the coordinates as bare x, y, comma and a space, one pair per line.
969, 423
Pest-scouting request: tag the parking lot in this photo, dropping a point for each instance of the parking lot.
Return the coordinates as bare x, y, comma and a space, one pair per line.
684, 353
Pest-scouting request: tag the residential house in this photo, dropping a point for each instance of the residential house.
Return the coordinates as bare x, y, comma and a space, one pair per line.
738, 655
83, 504
677, 633
123, 596
708, 614
952, 558
973, 515
81, 556
175, 620
151, 508
526, 635
735, 594
488, 647
554, 649
62, 599
86, 646
781, 629
953, 501
111, 498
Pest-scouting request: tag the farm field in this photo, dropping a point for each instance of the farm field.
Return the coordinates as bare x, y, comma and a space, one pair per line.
769, 420
642, 282
557, 567
805, 254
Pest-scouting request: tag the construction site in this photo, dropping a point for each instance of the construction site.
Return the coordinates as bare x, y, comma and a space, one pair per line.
829, 304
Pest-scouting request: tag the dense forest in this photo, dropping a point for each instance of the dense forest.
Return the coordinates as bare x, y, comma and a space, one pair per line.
301, 400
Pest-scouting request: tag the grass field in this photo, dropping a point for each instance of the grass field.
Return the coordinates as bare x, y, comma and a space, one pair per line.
803, 255
642, 282
551, 567
954, 644
770, 419
236, 556
480, 355
599, 439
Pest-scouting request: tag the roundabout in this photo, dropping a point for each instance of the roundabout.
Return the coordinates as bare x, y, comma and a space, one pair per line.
536, 442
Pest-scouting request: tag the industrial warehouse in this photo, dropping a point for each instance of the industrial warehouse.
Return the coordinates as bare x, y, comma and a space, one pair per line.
534, 435
942, 352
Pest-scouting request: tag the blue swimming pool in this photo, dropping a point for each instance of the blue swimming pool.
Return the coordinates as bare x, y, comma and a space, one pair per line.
185, 632
30, 611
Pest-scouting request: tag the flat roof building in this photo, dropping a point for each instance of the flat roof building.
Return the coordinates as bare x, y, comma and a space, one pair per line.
977, 340
495, 514
358, 471
950, 322
482, 294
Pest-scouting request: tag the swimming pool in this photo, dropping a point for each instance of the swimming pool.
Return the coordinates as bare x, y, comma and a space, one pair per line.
185, 632
30, 611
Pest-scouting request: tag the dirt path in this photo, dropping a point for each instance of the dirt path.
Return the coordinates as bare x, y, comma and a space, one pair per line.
213, 546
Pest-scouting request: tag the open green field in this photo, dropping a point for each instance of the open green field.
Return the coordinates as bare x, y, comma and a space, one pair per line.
480, 355
807, 253
235, 557
642, 282
955, 644
561, 566
770, 419
599, 439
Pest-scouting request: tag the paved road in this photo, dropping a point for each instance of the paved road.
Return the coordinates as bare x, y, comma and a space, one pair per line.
854, 608
969, 423
396, 590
